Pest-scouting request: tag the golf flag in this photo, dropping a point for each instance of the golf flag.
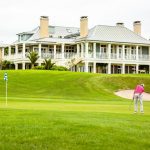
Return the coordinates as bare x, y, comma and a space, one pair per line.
5, 76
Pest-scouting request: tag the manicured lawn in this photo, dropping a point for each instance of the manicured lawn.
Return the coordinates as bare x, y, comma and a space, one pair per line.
71, 111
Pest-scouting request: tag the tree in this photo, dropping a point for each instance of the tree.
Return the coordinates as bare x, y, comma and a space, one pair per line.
48, 64
33, 56
6, 65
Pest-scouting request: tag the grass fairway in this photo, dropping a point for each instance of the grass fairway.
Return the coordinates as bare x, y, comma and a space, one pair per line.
71, 111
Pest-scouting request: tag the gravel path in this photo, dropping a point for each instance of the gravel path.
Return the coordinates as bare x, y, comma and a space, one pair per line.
129, 94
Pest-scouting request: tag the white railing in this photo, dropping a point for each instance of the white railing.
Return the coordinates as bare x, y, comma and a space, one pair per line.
58, 55
130, 57
144, 57
69, 55
13, 56
102, 55
47, 55
90, 55
113, 55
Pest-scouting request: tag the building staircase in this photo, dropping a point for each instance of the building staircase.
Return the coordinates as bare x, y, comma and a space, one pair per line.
73, 61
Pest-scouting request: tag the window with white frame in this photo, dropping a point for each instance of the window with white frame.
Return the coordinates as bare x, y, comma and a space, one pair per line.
113, 49
90, 47
140, 50
127, 49
103, 48
133, 50
58, 48
51, 48
69, 49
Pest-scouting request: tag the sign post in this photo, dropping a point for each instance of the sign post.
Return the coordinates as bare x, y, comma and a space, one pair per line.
6, 80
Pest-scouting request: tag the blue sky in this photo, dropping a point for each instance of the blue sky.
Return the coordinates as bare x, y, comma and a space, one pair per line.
23, 15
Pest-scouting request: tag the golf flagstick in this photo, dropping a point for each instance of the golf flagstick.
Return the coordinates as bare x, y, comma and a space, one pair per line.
6, 79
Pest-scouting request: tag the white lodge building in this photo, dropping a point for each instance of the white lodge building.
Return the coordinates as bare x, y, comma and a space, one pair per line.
102, 49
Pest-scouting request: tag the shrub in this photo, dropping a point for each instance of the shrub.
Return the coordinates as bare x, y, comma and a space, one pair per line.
6, 65
39, 68
48, 64
59, 68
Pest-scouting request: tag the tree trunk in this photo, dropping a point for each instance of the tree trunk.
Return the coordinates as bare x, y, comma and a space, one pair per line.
32, 66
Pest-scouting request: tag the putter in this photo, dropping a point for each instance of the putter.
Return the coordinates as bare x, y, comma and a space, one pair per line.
131, 104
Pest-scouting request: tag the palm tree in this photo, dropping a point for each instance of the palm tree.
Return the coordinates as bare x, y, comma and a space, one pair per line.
5, 65
48, 64
33, 56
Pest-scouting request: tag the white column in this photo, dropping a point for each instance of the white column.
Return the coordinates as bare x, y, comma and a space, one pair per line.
86, 67
3, 49
40, 52
16, 49
137, 53
62, 50
117, 51
23, 50
54, 51
137, 68
149, 52
86, 49
109, 68
23, 66
82, 49
78, 49
9, 50
94, 50
123, 52
109, 51
16, 66
123, 68
94, 67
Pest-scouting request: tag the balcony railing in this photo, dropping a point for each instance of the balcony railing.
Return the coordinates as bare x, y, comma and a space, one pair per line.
102, 55
144, 57
113, 55
130, 57
47, 55
70, 55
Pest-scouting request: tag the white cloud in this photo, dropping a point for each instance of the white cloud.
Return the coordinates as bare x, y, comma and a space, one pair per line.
23, 15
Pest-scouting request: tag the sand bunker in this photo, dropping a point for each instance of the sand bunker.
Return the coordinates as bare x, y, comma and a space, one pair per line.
129, 94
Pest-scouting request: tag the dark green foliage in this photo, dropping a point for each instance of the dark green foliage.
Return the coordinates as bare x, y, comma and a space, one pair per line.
6, 65
39, 68
48, 64
33, 57
59, 68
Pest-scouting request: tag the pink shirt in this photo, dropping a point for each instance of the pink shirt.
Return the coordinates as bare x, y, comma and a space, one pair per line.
139, 89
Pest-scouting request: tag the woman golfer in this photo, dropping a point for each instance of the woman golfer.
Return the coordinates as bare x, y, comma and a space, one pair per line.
138, 95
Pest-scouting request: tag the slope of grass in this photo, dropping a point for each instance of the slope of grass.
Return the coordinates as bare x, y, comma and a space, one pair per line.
67, 85
71, 111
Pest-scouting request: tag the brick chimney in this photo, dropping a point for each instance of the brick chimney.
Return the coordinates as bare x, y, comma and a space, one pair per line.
44, 23
83, 26
137, 27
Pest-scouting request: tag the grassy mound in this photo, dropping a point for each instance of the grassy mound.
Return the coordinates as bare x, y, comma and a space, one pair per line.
68, 85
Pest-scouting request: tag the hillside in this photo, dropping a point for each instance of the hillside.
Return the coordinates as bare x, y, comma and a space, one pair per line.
68, 85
